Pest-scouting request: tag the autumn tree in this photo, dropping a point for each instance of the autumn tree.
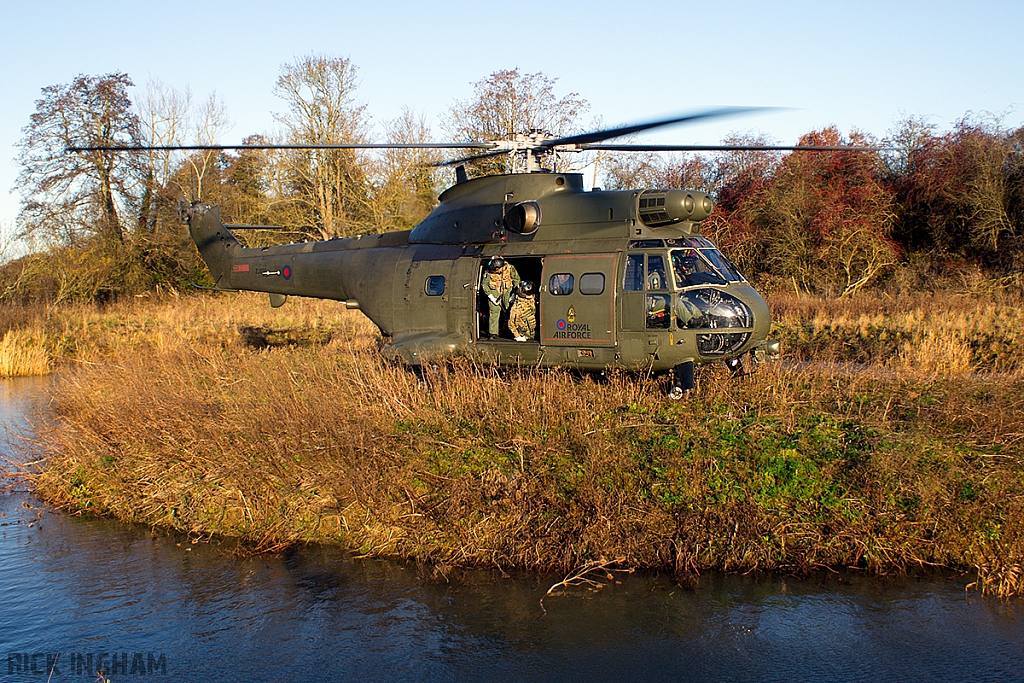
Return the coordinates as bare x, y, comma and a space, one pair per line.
820, 220
247, 175
70, 196
956, 191
1013, 168
508, 103
330, 186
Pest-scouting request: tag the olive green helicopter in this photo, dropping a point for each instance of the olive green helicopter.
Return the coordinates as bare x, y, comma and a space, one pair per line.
615, 279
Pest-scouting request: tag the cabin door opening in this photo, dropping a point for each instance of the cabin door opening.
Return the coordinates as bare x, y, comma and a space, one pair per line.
527, 268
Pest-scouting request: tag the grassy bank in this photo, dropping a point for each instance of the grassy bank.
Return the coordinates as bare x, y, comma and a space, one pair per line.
891, 441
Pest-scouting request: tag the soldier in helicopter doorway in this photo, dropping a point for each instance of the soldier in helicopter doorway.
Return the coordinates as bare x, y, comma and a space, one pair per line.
522, 316
499, 281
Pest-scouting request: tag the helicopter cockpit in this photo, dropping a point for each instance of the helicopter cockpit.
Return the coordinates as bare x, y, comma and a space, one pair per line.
699, 300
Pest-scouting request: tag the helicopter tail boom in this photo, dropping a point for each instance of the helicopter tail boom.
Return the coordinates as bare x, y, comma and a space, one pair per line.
215, 242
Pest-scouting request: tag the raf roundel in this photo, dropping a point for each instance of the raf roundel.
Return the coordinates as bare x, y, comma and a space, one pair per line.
286, 272
560, 324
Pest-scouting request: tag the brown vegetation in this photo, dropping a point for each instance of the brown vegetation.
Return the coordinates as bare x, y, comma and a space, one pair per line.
891, 441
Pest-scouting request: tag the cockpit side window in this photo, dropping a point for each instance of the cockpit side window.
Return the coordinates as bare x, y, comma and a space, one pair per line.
633, 277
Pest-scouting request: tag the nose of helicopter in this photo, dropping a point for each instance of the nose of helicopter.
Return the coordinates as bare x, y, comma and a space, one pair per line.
762, 317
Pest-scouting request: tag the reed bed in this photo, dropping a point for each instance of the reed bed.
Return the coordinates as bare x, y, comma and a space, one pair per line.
890, 441
23, 355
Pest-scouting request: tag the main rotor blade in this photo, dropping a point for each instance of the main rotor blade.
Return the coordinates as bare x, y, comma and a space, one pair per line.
343, 145
609, 133
475, 157
730, 148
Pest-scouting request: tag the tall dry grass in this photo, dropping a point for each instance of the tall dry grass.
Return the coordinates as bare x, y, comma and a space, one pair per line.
929, 333
219, 415
23, 355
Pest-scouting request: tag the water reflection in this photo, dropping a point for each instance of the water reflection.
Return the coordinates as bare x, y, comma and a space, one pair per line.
73, 585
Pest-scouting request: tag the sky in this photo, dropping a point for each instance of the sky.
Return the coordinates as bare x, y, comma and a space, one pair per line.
856, 65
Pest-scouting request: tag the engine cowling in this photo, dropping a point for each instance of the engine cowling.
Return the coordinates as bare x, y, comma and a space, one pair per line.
658, 208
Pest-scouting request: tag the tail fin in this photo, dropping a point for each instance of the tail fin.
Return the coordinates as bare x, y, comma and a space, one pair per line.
216, 244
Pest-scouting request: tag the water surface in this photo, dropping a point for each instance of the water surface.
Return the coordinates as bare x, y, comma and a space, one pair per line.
76, 588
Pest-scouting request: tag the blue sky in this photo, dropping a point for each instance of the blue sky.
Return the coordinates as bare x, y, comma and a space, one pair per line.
855, 65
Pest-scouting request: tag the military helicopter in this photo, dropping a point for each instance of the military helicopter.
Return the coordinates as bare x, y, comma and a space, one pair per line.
623, 279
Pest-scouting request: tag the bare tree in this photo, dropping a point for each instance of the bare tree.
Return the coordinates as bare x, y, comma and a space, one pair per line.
906, 144
71, 195
208, 124
508, 103
956, 190
164, 113
656, 169
405, 183
331, 184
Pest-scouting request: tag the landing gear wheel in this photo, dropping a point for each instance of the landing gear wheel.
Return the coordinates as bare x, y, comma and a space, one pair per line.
736, 367
682, 381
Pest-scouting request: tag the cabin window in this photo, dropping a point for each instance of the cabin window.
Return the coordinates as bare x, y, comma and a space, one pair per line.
633, 280
561, 284
434, 285
592, 283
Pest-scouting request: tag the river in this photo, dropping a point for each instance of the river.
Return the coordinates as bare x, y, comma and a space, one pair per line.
77, 594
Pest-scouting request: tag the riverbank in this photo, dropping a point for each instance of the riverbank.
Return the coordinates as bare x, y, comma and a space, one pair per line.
891, 441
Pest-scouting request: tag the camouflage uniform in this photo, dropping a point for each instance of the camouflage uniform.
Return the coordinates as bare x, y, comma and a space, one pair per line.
522, 317
498, 287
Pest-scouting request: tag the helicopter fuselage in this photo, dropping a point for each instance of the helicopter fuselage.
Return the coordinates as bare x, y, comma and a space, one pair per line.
623, 279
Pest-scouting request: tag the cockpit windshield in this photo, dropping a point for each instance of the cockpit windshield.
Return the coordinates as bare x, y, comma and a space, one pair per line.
718, 262
691, 268
723, 265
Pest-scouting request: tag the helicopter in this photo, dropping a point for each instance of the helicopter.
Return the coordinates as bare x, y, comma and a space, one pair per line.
621, 279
